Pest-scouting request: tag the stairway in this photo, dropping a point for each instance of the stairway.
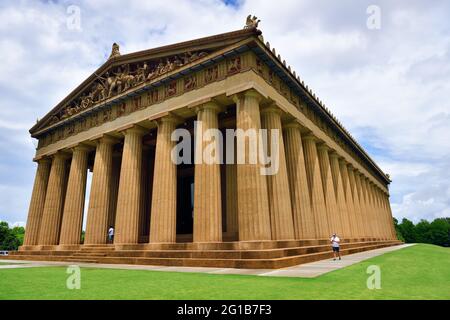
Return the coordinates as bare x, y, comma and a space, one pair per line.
255, 255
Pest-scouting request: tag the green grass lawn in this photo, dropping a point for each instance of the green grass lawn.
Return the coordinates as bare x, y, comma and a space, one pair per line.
417, 272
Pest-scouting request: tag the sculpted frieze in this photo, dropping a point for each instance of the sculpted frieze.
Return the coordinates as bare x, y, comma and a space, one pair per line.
123, 78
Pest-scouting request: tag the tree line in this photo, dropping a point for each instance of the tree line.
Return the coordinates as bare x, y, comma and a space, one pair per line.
436, 232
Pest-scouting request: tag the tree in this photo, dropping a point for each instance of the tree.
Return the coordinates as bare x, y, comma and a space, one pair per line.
10, 239
423, 232
398, 231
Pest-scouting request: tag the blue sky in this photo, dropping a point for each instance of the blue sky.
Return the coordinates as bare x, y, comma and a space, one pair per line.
390, 86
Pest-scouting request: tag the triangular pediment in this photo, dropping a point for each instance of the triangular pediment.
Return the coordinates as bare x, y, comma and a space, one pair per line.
123, 73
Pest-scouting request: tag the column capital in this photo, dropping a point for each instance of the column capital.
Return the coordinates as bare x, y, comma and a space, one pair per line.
291, 124
334, 154
133, 128
105, 138
210, 105
323, 146
80, 147
271, 108
61, 154
42, 160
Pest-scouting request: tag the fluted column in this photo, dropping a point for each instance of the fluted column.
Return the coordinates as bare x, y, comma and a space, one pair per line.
100, 195
231, 198
207, 187
114, 186
384, 216
129, 196
340, 195
54, 201
391, 222
315, 186
280, 207
348, 198
164, 198
304, 223
369, 207
253, 203
377, 228
334, 220
72, 220
37, 202
359, 179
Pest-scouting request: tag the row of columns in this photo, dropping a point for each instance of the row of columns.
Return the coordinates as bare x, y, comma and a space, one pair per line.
314, 194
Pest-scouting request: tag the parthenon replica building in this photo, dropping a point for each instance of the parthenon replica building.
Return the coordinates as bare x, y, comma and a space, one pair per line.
118, 125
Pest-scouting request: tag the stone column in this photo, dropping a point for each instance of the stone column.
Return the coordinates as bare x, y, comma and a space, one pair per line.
253, 202
391, 222
100, 196
356, 204
114, 186
379, 212
304, 223
164, 198
231, 198
280, 207
37, 202
340, 195
348, 198
76, 192
370, 210
54, 201
377, 227
315, 186
129, 197
384, 216
334, 220
207, 187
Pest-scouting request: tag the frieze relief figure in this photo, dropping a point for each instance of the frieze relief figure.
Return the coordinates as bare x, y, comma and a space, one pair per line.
115, 51
117, 80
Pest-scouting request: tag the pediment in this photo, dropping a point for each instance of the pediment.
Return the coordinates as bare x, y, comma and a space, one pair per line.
124, 73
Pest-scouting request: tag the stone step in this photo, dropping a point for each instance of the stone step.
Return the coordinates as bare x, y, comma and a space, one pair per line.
81, 259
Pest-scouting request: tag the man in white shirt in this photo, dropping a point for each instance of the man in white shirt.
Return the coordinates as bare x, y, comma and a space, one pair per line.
111, 234
335, 245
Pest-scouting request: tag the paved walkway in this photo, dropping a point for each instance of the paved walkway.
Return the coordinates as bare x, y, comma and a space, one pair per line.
307, 270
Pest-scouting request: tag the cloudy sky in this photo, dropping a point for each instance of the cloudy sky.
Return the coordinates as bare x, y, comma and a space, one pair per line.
389, 83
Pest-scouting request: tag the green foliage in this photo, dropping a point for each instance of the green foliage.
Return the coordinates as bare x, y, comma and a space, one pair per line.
436, 232
10, 239
418, 272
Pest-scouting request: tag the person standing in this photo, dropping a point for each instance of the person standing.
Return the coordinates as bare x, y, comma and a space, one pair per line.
335, 245
111, 234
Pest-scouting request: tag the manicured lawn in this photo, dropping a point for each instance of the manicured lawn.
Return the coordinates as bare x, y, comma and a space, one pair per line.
417, 272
